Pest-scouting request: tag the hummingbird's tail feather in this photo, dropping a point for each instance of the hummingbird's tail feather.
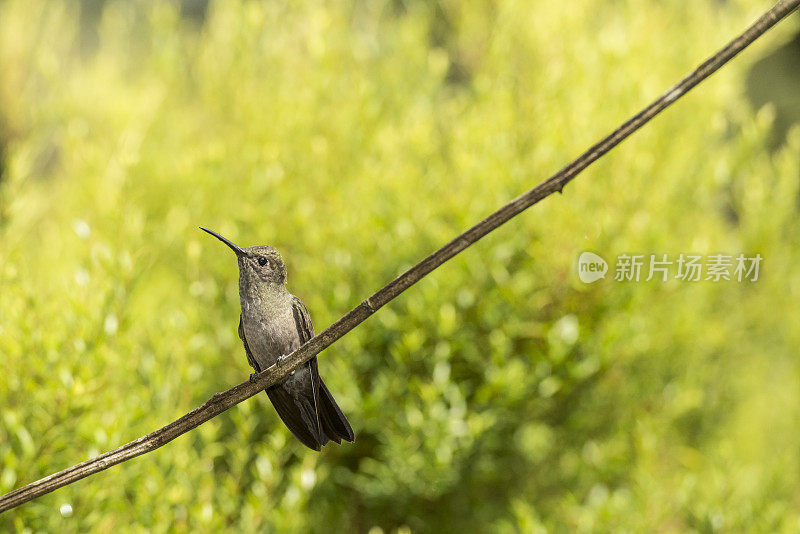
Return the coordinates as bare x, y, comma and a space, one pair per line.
299, 415
334, 423
306, 407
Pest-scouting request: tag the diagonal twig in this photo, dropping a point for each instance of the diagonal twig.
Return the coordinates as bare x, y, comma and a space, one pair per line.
226, 399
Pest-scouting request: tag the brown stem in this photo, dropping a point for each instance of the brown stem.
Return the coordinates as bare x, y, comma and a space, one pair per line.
222, 401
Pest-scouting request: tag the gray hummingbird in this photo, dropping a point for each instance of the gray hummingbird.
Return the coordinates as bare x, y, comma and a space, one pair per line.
273, 323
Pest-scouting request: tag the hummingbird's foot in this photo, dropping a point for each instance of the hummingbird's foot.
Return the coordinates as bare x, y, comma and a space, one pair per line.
253, 377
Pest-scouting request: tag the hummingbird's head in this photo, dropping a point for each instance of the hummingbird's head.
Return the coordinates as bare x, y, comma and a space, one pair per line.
264, 262
260, 263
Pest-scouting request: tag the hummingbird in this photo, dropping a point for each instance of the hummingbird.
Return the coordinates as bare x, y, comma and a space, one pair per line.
274, 323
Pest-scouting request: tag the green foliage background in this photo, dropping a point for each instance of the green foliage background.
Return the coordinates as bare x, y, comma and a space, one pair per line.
500, 394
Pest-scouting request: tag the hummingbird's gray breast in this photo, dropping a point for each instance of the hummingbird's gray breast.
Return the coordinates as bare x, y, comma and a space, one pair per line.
270, 330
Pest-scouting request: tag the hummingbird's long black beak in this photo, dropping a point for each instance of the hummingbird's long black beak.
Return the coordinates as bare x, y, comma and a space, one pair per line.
236, 248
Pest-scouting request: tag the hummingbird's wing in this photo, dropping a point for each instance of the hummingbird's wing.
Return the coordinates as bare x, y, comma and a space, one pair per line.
334, 423
298, 411
305, 331
252, 361
295, 400
295, 403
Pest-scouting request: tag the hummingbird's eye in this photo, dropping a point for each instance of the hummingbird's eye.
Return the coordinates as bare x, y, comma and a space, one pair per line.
262, 261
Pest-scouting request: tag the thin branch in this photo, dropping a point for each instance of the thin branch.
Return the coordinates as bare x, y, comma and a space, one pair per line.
226, 399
